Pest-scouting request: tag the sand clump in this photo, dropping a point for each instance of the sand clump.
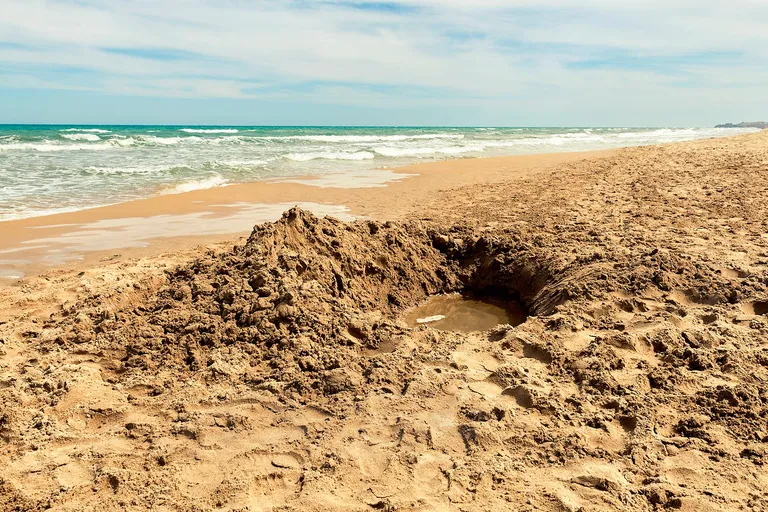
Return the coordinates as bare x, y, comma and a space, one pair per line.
279, 374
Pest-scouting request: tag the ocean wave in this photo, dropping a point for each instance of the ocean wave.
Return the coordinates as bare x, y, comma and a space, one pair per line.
81, 136
189, 186
362, 138
306, 157
91, 130
394, 152
168, 141
148, 170
397, 152
123, 142
50, 147
202, 130
663, 132
554, 140
240, 163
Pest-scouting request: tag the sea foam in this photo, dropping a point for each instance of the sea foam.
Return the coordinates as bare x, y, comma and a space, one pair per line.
330, 155
48, 147
212, 130
361, 138
86, 130
81, 136
189, 186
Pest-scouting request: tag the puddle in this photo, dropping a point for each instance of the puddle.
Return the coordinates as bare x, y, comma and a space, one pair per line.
456, 312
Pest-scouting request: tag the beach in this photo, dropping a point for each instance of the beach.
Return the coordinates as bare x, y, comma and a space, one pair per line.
152, 225
163, 353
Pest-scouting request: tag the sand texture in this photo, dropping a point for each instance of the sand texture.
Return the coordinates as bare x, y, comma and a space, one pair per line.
278, 373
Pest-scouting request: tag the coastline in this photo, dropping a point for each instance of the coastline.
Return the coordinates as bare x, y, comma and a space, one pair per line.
281, 373
173, 222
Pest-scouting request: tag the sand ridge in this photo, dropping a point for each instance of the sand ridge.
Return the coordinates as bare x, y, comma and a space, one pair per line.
278, 373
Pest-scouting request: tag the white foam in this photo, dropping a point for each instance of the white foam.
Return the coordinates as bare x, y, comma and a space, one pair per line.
169, 141
242, 163
164, 141
81, 136
364, 138
91, 130
147, 170
189, 186
201, 130
330, 155
52, 147
457, 150
395, 152
123, 142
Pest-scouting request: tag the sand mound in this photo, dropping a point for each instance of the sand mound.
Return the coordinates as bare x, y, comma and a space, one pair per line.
293, 308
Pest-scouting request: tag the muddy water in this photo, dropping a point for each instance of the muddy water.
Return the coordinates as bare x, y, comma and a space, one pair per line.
455, 312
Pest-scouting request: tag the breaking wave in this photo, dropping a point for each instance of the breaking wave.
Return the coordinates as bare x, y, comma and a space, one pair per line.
189, 186
207, 130
330, 155
81, 136
86, 130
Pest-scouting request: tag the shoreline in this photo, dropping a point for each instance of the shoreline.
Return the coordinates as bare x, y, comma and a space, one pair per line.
282, 373
171, 222
181, 221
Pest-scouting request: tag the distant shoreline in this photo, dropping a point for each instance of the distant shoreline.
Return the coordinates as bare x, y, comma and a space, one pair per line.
762, 125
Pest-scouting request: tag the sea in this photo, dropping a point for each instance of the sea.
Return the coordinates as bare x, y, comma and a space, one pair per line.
46, 169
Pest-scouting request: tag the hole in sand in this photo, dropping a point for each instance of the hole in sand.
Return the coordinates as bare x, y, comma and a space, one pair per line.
759, 307
628, 423
466, 313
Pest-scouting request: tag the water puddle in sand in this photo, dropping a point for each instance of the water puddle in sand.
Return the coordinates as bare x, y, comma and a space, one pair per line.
456, 312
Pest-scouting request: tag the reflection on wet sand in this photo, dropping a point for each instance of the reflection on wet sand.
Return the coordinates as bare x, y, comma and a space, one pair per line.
130, 232
353, 179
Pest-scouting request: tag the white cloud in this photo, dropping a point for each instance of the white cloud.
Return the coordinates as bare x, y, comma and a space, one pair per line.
514, 50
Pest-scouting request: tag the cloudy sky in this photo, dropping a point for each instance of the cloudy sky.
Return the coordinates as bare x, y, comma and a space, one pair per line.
405, 62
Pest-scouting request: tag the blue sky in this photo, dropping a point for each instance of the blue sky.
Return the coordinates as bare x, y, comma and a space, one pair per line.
406, 62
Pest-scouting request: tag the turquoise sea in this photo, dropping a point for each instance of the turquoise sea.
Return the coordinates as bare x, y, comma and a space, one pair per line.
47, 169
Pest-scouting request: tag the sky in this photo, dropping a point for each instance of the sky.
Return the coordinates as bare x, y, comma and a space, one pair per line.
402, 62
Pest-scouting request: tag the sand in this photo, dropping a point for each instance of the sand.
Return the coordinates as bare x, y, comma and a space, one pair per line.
279, 372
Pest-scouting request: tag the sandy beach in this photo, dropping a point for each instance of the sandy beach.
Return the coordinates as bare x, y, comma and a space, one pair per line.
164, 354
171, 222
